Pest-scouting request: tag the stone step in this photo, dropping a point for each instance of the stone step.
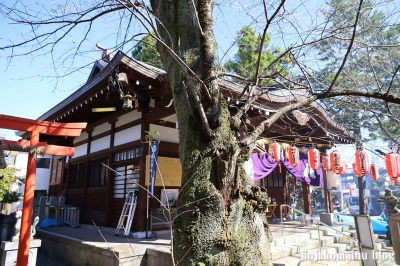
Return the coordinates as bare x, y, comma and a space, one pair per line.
309, 259
279, 252
277, 241
324, 254
289, 249
287, 261
295, 248
334, 263
328, 256
313, 234
384, 257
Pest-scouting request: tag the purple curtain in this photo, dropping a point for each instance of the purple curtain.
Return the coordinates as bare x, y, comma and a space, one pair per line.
264, 165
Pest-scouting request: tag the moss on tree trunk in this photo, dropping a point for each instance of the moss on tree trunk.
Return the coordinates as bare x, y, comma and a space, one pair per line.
221, 216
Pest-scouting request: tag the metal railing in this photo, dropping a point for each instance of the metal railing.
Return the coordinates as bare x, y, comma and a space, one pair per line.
309, 218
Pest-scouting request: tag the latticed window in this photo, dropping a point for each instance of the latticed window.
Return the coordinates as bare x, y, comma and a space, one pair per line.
129, 154
275, 178
76, 175
126, 179
98, 174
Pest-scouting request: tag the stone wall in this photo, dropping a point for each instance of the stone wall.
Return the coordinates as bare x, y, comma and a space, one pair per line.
158, 258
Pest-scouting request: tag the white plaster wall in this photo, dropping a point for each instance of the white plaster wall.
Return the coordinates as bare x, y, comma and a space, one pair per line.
100, 144
127, 135
82, 137
101, 129
80, 150
166, 133
129, 117
42, 179
21, 163
43, 176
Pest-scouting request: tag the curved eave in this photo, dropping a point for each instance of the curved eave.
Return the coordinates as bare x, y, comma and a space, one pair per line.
140, 69
272, 102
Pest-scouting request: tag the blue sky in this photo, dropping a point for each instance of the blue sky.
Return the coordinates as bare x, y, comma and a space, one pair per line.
28, 91
28, 87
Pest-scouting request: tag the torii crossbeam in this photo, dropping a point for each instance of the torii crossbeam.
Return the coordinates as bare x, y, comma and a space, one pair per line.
35, 128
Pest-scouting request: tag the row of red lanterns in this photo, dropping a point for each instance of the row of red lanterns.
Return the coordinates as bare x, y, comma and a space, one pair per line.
392, 161
294, 155
334, 162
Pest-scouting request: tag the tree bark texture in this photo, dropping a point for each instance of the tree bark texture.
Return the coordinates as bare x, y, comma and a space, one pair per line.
221, 216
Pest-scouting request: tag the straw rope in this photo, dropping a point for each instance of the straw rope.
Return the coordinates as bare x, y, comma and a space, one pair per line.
37, 152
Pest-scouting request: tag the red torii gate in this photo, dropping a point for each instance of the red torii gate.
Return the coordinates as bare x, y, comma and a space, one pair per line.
36, 127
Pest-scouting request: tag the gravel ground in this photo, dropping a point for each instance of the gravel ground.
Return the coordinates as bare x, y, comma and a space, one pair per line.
43, 258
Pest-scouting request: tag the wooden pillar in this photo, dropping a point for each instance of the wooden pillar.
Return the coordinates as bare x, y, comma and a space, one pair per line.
142, 199
328, 194
286, 194
111, 176
27, 209
87, 174
306, 198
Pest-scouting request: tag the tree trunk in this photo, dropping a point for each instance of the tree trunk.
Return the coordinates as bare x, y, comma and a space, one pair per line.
362, 182
221, 217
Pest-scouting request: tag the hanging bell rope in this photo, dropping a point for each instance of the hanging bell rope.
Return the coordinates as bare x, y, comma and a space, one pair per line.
3, 163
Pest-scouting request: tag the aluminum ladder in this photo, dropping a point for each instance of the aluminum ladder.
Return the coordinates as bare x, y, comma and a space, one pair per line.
128, 211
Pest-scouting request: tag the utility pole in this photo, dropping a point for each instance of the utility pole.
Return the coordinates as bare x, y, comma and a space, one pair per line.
362, 181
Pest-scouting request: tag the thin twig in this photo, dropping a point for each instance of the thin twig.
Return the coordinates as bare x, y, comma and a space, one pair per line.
105, 240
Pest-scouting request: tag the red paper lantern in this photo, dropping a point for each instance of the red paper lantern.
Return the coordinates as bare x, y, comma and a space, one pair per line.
362, 162
294, 156
335, 158
374, 172
275, 151
326, 163
313, 158
398, 165
391, 161
355, 170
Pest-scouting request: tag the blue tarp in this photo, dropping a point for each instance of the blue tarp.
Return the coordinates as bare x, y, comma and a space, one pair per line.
49, 222
379, 224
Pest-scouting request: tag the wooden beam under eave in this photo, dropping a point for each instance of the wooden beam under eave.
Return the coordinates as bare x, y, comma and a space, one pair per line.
158, 114
123, 78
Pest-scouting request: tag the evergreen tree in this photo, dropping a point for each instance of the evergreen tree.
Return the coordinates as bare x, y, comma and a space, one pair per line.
146, 51
245, 61
369, 68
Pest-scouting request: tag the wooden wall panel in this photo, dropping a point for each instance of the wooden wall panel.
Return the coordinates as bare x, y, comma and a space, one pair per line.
95, 206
